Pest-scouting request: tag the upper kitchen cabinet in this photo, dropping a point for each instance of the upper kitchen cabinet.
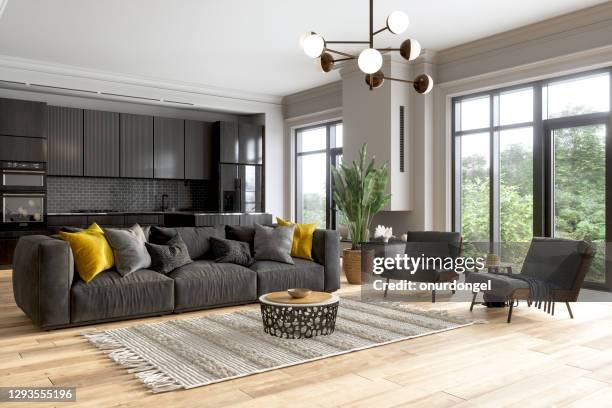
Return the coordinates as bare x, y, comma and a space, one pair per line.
23, 118
250, 144
239, 142
169, 148
101, 144
64, 141
228, 141
198, 150
136, 146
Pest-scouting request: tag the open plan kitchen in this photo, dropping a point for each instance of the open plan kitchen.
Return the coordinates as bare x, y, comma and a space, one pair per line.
69, 166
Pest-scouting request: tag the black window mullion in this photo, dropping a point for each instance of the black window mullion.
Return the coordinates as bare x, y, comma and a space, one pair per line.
539, 160
608, 214
494, 235
328, 177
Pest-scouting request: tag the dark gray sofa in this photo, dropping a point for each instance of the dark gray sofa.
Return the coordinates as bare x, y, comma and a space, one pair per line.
49, 291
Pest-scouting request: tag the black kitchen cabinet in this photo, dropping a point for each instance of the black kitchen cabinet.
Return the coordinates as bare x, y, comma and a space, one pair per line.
15, 148
198, 150
227, 132
240, 143
169, 148
23, 118
250, 138
101, 144
65, 141
136, 146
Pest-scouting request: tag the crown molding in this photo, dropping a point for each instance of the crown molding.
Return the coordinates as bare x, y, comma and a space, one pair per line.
93, 81
599, 14
313, 93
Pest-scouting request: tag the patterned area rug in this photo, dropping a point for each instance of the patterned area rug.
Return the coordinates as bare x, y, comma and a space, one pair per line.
194, 352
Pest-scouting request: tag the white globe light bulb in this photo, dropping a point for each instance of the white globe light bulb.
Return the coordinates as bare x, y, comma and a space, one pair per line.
397, 22
314, 45
370, 60
303, 37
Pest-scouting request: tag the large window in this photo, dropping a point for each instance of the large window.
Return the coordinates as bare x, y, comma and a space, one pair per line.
318, 148
532, 160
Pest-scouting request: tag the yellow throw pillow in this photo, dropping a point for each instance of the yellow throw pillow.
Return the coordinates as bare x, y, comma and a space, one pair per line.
92, 253
301, 247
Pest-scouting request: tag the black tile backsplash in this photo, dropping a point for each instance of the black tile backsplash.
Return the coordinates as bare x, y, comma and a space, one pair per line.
67, 194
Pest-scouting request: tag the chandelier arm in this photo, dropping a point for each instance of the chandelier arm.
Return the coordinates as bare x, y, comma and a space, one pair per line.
399, 80
341, 53
380, 31
347, 42
344, 59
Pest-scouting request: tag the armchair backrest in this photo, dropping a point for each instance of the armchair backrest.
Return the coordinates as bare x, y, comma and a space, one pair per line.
441, 244
562, 262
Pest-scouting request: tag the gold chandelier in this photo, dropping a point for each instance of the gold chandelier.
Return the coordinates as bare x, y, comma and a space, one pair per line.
370, 60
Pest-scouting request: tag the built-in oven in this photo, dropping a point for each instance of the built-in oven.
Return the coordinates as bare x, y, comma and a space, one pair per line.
23, 209
22, 176
23, 195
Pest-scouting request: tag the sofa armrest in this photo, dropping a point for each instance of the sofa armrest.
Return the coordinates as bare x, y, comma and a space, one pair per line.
43, 270
326, 251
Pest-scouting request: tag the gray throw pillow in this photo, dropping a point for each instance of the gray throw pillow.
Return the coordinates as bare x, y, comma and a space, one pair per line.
229, 251
166, 258
243, 233
128, 249
274, 244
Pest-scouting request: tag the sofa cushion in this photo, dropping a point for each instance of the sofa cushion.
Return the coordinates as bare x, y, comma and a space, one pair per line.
275, 276
204, 284
243, 233
128, 249
160, 235
197, 239
112, 296
274, 244
92, 253
166, 258
229, 251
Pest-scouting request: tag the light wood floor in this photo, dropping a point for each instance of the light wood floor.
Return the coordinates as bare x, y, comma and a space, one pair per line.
538, 360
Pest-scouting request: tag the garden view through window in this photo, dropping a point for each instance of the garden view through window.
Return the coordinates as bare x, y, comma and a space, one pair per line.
318, 148
531, 160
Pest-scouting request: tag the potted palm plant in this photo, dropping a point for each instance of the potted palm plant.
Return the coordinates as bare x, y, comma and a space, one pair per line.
359, 193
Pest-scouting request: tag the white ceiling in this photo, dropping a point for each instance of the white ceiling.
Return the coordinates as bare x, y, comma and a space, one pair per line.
247, 45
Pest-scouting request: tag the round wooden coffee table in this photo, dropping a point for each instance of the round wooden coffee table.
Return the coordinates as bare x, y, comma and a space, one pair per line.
289, 318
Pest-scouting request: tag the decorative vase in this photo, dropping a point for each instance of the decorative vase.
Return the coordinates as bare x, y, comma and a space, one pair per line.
351, 265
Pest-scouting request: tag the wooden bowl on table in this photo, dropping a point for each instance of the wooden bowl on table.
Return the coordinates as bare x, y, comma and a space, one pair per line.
299, 293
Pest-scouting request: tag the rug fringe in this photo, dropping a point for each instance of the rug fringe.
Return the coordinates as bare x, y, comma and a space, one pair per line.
150, 375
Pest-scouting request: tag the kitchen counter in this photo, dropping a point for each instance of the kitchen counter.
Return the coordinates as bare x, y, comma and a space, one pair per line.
162, 218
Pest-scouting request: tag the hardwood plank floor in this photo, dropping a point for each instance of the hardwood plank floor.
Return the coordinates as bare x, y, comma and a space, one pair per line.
536, 361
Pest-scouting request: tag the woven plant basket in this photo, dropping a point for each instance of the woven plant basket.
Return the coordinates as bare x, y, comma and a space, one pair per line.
351, 265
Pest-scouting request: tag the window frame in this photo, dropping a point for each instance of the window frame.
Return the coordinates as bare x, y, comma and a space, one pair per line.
331, 154
543, 211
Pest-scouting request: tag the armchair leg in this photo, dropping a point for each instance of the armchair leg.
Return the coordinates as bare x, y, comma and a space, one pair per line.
433, 296
569, 309
473, 301
510, 311
386, 288
553, 308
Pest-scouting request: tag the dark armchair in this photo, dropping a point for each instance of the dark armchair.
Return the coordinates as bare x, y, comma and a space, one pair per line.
435, 244
553, 271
